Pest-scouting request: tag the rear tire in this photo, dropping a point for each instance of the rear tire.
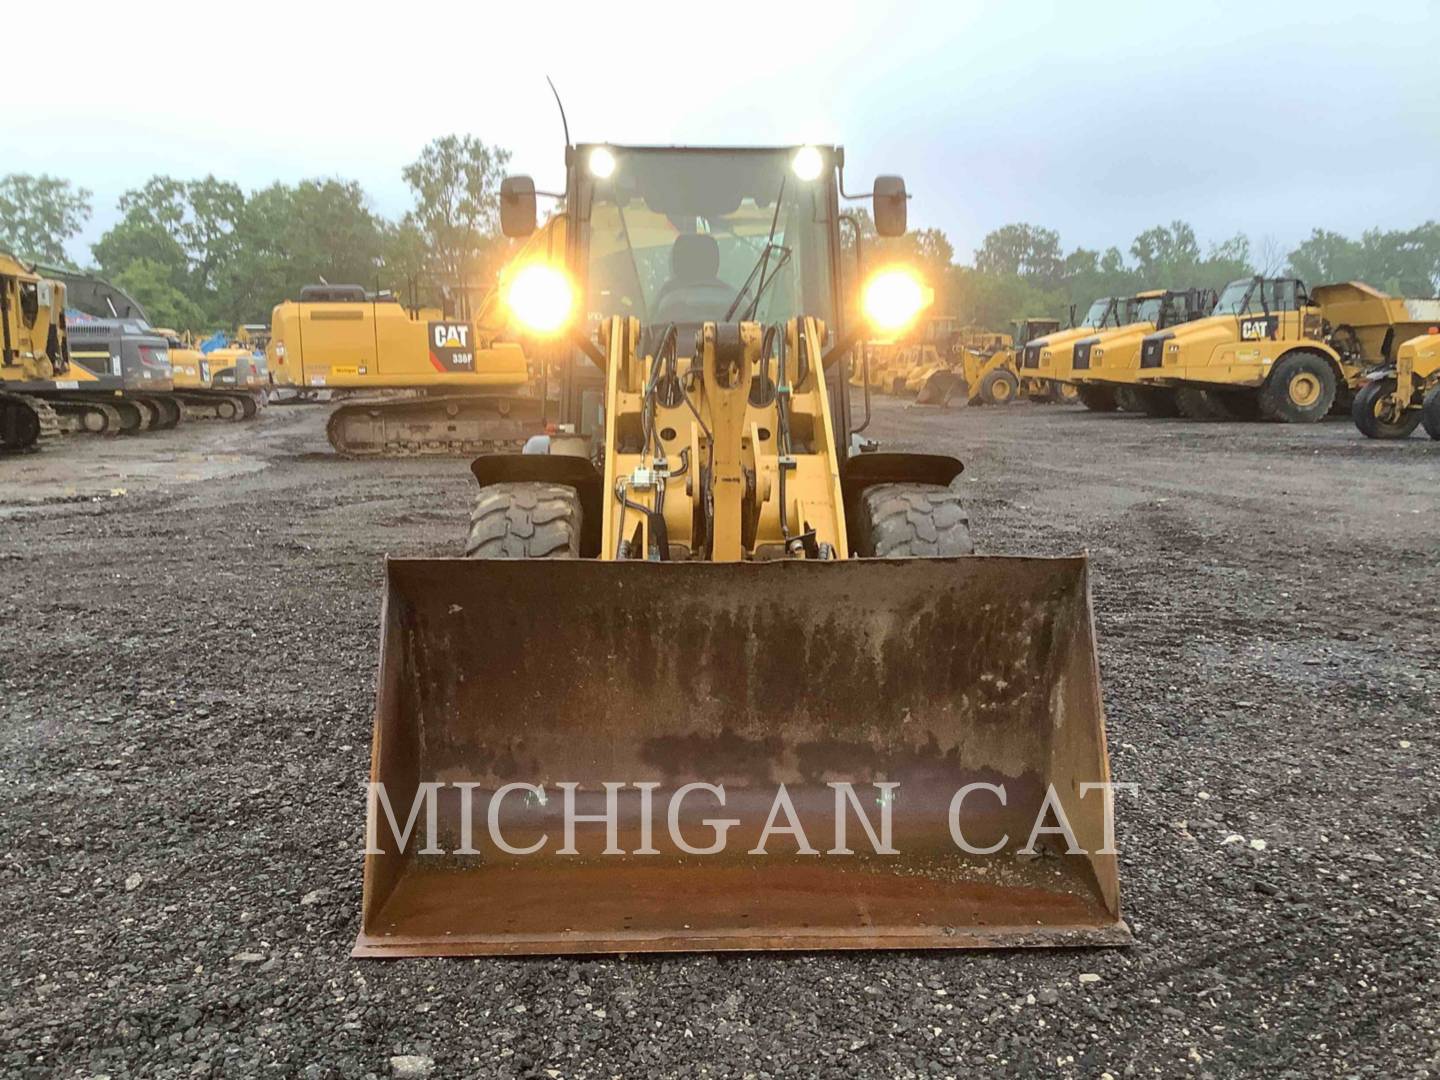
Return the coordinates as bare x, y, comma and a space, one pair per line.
1097, 398
912, 520
999, 387
1300, 389
1430, 413
1368, 410
525, 521
1157, 402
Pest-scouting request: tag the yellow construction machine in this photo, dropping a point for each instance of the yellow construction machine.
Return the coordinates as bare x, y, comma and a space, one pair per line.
194, 374
1104, 367
1041, 356
33, 350
1393, 400
467, 385
1273, 348
691, 618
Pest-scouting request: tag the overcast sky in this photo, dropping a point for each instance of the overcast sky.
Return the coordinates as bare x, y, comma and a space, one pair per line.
1098, 120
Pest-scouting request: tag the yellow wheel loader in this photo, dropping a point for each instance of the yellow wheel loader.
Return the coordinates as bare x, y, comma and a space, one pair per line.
33, 350
1393, 400
1272, 348
1107, 363
691, 688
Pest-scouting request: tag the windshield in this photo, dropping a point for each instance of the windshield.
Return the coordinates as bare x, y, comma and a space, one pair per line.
694, 236
1096, 315
1146, 310
1232, 300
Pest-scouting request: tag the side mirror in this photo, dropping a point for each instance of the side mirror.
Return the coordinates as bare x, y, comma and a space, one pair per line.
890, 200
517, 206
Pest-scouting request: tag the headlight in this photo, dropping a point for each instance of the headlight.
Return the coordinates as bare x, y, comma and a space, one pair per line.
541, 298
894, 297
807, 163
601, 163
1172, 347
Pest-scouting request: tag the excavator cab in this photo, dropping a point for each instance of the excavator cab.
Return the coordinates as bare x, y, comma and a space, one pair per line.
710, 676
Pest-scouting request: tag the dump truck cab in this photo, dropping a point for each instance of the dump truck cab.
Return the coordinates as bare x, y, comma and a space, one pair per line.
1113, 356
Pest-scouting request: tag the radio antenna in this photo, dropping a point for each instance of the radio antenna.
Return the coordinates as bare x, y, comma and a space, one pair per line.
561, 105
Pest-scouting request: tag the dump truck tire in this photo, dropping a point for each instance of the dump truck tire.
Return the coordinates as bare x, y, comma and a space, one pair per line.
1098, 398
1430, 413
913, 520
1367, 412
1127, 399
1193, 404
1157, 402
999, 387
1300, 390
525, 521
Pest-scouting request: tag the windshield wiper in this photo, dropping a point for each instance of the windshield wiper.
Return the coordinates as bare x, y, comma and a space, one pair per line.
762, 263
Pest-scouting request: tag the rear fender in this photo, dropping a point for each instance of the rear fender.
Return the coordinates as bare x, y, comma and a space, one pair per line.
565, 469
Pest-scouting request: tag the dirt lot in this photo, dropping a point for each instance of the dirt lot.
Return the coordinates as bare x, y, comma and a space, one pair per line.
187, 659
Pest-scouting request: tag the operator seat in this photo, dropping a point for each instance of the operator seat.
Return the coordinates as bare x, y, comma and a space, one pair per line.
694, 293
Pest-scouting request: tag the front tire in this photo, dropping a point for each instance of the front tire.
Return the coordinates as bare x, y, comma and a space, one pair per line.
912, 520
1234, 404
1430, 413
1157, 402
1127, 399
999, 387
525, 521
1192, 404
1374, 414
1097, 398
1300, 390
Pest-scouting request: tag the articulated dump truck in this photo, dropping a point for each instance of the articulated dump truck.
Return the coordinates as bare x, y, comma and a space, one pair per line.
1275, 349
708, 678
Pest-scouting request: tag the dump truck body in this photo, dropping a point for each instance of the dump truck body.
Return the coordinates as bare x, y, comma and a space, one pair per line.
692, 643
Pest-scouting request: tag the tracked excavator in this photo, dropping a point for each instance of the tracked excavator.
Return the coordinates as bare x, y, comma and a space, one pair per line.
199, 383
120, 381
467, 386
33, 350
695, 599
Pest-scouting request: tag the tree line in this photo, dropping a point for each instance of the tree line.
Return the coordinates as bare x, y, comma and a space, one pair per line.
203, 254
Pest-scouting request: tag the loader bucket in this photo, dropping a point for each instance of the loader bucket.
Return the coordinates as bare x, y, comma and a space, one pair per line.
938, 387
807, 694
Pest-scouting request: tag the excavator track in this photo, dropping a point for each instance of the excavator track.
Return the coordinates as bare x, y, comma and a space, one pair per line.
218, 405
25, 422
90, 416
442, 425
167, 409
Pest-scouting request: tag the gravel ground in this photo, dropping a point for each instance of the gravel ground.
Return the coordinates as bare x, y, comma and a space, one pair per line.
187, 661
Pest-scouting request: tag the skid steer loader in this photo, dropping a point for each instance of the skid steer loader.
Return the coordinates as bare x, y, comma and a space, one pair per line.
691, 619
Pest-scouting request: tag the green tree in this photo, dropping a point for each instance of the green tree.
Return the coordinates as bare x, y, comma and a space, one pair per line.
38, 214
187, 227
456, 183
1024, 250
149, 283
